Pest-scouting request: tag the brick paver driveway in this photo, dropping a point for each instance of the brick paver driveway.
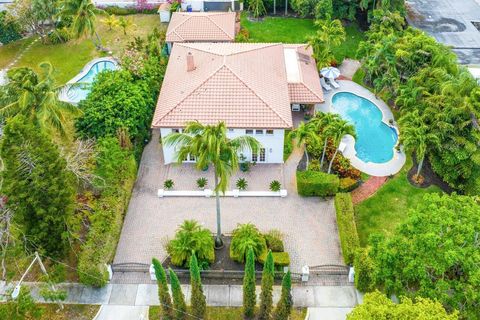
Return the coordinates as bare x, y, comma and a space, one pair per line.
309, 224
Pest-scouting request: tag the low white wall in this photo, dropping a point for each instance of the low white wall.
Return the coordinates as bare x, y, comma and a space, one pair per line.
124, 4
207, 193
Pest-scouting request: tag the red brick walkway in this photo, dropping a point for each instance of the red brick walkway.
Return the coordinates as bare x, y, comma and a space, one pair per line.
367, 189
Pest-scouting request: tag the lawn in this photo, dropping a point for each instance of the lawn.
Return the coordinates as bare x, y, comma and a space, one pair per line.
69, 58
70, 312
389, 206
296, 30
224, 313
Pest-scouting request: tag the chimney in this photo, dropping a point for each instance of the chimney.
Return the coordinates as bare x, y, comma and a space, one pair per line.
190, 62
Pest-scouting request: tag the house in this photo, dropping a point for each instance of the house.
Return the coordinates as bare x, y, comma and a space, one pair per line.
201, 27
249, 86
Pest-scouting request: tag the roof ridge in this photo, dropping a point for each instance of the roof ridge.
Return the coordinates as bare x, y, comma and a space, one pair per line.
253, 91
192, 45
226, 33
179, 25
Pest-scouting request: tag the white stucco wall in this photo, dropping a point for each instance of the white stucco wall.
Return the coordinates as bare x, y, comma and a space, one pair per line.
273, 144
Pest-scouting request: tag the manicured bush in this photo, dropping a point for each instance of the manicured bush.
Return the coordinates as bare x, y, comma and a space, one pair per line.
284, 306
347, 229
314, 183
275, 185
249, 296
163, 293
241, 184
364, 271
178, 297
280, 259
168, 184
266, 295
274, 241
202, 182
347, 184
9, 30
246, 236
191, 238
198, 300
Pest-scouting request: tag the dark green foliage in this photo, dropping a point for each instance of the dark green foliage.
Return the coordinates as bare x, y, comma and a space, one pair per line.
244, 237
9, 30
191, 238
314, 183
274, 241
168, 184
249, 296
22, 308
37, 185
280, 259
284, 306
364, 271
347, 229
324, 9
434, 254
116, 101
275, 186
266, 296
179, 305
163, 293
108, 210
198, 300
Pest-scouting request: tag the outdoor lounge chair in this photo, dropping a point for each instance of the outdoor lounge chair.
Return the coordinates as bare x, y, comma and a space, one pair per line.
325, 85
333, 83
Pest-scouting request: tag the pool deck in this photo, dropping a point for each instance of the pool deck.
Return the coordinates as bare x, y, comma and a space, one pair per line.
374, 169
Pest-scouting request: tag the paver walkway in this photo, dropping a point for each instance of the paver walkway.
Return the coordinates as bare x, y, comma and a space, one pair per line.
367, 189
349, 67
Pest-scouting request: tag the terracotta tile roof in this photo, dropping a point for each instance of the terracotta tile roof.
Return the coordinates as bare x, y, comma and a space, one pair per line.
243, 84
201, 26
305, 88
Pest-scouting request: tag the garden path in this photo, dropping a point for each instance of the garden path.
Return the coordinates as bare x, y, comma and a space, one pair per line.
367, 189
3, 72
349, 67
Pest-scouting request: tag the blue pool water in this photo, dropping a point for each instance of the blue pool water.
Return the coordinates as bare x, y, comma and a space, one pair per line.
375, 140
77, 93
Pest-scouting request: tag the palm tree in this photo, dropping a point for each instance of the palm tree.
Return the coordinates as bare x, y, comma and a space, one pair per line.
304, 132
125, 24
339, 129
111, 21
324, 123
35, 95
83, 14
210, 145
416, 136
330, 34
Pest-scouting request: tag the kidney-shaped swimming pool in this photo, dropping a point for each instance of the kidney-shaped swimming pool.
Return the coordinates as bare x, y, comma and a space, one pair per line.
375, 140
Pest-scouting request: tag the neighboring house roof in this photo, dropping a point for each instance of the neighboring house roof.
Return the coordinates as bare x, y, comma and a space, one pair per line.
302, 75
201, 27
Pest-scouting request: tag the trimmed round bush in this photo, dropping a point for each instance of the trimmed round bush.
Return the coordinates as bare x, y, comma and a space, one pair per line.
274, 241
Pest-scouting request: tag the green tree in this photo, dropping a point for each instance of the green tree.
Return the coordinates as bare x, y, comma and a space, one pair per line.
439, 253
37, 185
125, 24
416, 136
249, 279
377, 306
284, 306
257, 8
163, 293
339, 129
324, 122
198, 300
111, 21
35, 95
266, 295
244, 237
324, 10
210, 145
83, 14
22, 308
191, 238
330, 34
304, 132
178, 297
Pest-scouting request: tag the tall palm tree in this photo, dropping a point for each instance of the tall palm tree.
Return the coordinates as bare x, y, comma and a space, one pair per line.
339, 129
324, 122
416, 137
83, 14
330, 34
304, 132
35, 95
210, 145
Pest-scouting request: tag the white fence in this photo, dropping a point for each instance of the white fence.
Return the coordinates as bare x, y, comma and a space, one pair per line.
207, 193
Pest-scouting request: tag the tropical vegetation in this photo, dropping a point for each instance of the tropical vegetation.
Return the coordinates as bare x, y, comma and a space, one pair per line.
330, 34
246, 237
266, 294
249, 282
197, 300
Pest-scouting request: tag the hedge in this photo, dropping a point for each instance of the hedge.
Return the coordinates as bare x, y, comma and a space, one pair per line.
281, 259
314, 183
346, 226
9, 31
364, 271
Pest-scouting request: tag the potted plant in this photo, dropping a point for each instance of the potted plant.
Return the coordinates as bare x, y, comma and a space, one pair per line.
168, 184
275, 186
390, 121
205, 168
202, 183
242, 184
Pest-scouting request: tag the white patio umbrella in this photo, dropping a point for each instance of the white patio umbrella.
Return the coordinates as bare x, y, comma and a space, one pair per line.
330, 72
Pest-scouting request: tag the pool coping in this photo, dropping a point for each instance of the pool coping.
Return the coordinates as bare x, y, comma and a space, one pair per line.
86, 68
399, 158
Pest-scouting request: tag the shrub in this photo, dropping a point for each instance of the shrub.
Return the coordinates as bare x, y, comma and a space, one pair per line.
59, 36
347, 184
162, 288
242, 184
168, 184
266, 294
364, 271
198, 299
274, 241
313, 183
246, 236
243, 35
314, 165
202, 182
191, 238
287, 145
284, 306
249, 296
280, 259
346, 226
9, 30
275, 185
24, 307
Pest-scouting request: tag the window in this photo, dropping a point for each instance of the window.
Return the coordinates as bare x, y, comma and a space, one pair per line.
269, 132
262, 155
189, 158
254, 157
176, 130
231, 130
249, 131
258, 131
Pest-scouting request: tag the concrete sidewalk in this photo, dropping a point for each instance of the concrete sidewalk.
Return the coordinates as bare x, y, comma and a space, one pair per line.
217, 295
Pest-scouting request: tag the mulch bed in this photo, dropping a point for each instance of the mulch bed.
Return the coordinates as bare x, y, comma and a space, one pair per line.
430, 177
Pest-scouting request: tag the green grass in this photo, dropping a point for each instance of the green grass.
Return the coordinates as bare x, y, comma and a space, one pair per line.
224, 313
69, 58
359, 76
9, 51
70, 312
389, 206
295, 30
